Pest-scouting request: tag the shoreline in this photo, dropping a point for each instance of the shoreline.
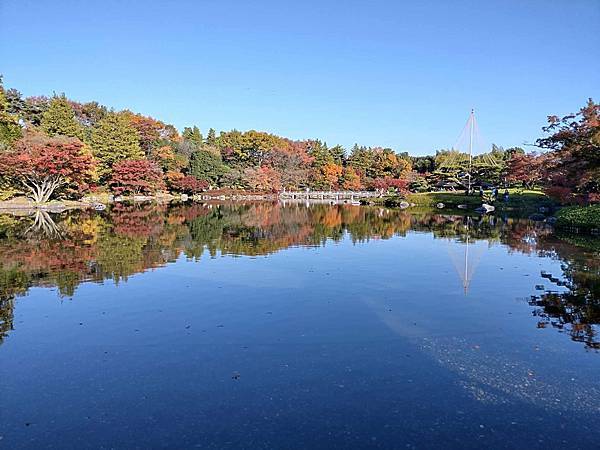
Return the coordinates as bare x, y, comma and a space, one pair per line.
530, 204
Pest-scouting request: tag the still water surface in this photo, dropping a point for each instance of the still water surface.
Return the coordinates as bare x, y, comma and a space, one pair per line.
264, 326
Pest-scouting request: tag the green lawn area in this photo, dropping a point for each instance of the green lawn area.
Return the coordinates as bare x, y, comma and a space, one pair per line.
519, 199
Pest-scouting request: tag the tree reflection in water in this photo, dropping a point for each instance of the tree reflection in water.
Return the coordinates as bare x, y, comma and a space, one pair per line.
572, 304
43, 225
66, 249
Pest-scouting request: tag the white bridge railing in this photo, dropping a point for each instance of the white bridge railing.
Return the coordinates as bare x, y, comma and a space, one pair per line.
326, 195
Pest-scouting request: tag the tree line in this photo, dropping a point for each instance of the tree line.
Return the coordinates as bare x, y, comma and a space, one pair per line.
56, 147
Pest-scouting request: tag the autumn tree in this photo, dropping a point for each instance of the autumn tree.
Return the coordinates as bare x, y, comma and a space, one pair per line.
292, 162
262, 179
45, 166
575, 141
372, 163
328, 176
249, 148
59, 119
388, 183
113, 139
189, 185
350, 180
136, 176
386, 163
148, 129
527, 169
89, 114
167, 159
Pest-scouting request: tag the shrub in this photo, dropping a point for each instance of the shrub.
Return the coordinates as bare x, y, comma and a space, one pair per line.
584, 217
419, 184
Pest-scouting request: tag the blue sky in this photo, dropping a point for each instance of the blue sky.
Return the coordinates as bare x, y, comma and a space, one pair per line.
388, 73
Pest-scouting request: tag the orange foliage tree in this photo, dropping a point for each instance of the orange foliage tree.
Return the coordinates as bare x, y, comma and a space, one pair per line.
264, 178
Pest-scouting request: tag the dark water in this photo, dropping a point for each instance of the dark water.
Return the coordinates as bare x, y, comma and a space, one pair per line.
262, 326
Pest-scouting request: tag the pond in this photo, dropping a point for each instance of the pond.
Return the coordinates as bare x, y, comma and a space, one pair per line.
297, 326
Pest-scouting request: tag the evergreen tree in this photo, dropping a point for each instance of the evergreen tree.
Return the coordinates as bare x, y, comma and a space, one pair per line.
113, 139
207, 165
10, 130
60, 119
211, 138
193, 136
320, 152
338, 153
16, 104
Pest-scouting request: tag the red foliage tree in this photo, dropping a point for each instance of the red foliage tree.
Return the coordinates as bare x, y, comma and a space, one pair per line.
574, 141
189, 185
44, 166
136, 176
387, 183
528, 169
148, 130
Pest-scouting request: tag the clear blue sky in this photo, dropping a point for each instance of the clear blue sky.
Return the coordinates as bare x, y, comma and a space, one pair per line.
389, 73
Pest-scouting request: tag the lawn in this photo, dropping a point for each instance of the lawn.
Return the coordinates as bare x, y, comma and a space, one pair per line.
519, 199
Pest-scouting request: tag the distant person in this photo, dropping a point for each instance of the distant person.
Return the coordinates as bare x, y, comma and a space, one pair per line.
495, 192
505, 195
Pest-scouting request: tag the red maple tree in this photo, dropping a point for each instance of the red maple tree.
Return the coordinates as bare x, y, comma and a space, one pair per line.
189, 185
136, 176
386, 183
45, 166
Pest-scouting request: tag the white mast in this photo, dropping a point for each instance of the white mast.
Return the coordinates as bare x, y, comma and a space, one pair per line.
471, 120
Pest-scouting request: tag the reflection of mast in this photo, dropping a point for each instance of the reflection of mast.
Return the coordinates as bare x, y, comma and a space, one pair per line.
465, 255
466, 280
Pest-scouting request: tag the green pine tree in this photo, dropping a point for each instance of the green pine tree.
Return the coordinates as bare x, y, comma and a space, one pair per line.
112, 140
60, 119
207, 165
211, 139
320, 152
193, 136
10, 130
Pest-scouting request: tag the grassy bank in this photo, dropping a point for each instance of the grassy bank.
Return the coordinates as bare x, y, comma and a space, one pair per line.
521, 201
585, 218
